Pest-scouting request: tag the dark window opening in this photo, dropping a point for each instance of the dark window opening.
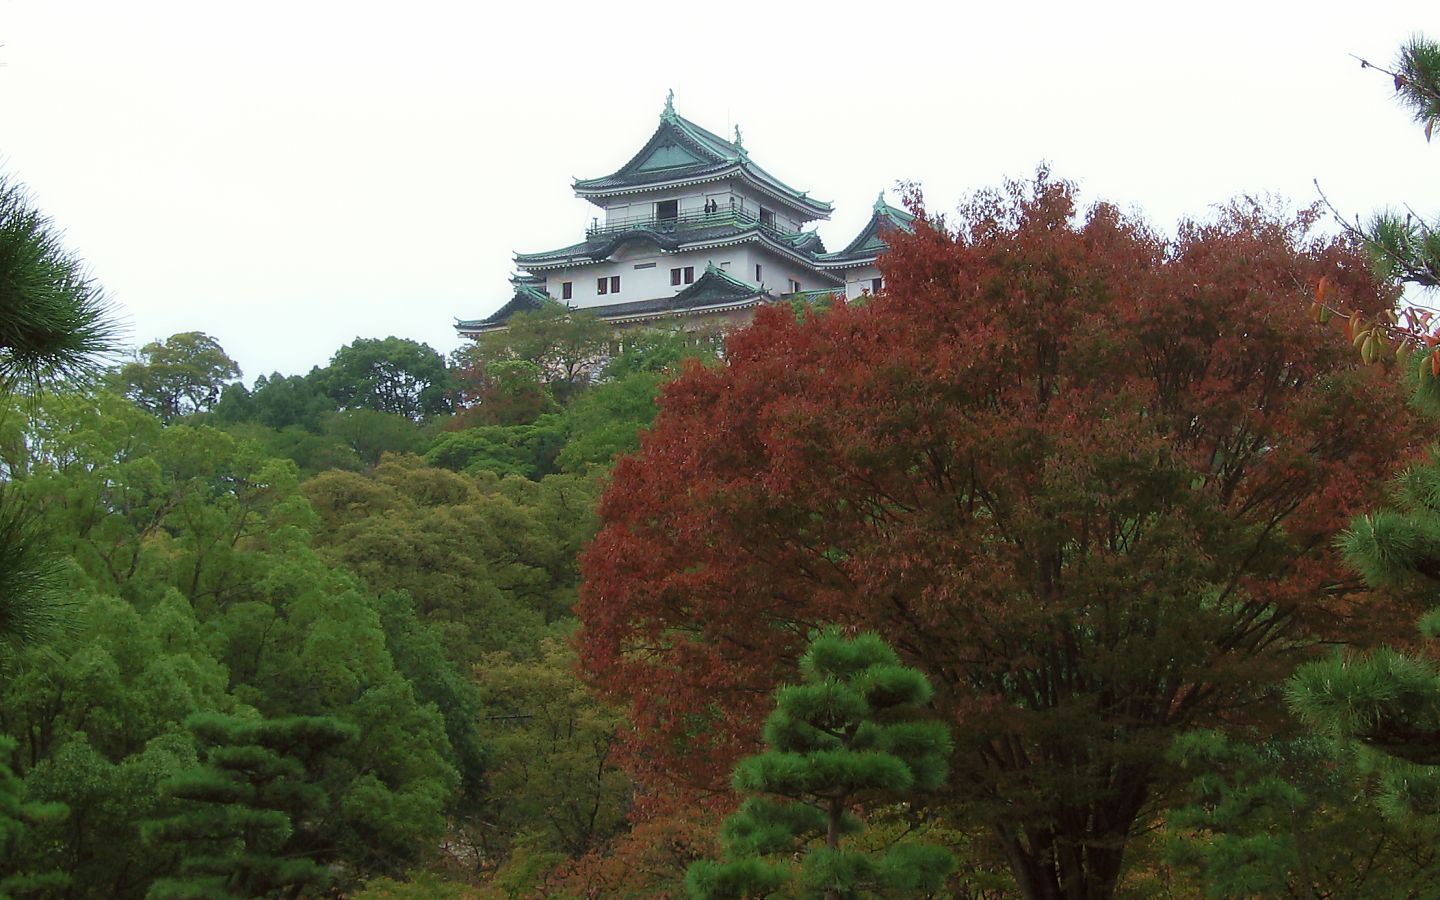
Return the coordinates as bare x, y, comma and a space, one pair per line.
876, 284
757, 273
767, 218
689, 274
567, 290
601, 284
667, 209
674, 277
614, 284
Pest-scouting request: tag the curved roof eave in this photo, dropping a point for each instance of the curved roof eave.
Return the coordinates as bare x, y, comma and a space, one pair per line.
814, 209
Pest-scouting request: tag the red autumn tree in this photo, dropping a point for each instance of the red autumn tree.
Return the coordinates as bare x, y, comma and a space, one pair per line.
1085, 478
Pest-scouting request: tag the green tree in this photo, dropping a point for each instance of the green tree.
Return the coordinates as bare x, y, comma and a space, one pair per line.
1277, 818
606, 420
277, 401
1386, 704
568, 348
1401, 245
182, 374
394, 375
160, 521
530, 451
251, 826
17, 816
54, 320
1388, 701
553, 784
846, 735
99, 711
489, 562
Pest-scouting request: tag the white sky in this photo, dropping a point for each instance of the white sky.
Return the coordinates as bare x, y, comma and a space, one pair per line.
287, 176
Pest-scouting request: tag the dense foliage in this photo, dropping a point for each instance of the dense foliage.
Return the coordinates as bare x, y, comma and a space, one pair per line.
316, 635
835, 741
298, 656
1084, 478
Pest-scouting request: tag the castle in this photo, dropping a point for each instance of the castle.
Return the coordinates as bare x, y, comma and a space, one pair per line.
693, 230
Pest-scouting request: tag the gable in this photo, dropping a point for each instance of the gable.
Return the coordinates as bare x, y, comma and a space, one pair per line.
667, 156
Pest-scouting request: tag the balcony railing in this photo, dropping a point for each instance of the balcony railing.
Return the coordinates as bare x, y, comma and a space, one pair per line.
737, 217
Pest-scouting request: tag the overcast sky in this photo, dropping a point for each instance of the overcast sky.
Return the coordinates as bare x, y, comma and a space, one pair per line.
287, 176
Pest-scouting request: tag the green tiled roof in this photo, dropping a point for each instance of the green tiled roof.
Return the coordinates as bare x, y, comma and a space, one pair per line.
528, 298
803, 247
682, 151
599, 246
715, 287
870, 242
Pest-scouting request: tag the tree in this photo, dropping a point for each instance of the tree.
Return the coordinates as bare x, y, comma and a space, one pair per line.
499, 391
834, 741
182, 374
529, 450
54, 320
394, 375
553, 783
1403, 247
1084, 478
1386, 704
1388, 701
279, 401
1277, 818
17, 817
253, 807
567, 347
200, 593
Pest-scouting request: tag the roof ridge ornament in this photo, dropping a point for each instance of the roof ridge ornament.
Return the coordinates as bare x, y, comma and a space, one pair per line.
711, 268
880, 204
668, 114
740, 143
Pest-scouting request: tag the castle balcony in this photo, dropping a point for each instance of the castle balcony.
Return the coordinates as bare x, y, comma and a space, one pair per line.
735, 218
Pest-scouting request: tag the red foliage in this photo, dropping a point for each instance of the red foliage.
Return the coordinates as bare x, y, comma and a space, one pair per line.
1085, 478
648, 861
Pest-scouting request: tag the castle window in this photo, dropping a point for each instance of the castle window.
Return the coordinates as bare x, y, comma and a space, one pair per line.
689, 274
757, 273
666, 209
567, 290
767, 218
602, 285
876, 284
674, 277
794, 286
614, 284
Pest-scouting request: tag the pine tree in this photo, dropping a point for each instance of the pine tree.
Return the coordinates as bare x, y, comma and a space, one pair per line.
1388, 701
248, 808
1401, 245
17, 815
53, 324
841, 737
